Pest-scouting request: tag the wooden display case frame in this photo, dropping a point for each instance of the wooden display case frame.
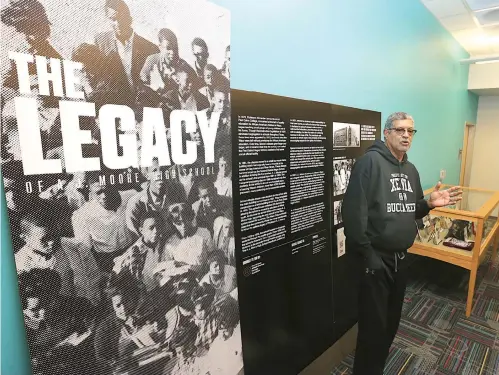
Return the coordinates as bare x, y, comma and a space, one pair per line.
469, 260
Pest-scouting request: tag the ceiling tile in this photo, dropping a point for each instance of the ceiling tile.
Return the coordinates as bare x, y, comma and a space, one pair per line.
445, 8
458, 22
482, 4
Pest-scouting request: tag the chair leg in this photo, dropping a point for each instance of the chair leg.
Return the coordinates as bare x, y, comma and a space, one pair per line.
495, 247
471, 289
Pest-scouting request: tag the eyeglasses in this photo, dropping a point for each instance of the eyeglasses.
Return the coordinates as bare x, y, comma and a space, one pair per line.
401, 131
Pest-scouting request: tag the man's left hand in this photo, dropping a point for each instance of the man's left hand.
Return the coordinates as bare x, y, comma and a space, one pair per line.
448, 197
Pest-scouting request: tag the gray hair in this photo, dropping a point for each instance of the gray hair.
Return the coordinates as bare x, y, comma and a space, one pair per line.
397, 116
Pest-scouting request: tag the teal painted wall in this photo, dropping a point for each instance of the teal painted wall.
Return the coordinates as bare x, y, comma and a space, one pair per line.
385, 55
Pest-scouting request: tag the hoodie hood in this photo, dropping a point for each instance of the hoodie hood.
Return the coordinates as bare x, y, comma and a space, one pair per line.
380, 147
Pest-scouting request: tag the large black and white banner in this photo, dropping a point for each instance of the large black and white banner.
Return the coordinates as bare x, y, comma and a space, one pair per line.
116, 158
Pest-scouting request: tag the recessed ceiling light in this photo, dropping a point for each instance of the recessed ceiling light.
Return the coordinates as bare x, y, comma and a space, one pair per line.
482, 39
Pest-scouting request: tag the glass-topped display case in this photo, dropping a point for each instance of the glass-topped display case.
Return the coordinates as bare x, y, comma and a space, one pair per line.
461, 234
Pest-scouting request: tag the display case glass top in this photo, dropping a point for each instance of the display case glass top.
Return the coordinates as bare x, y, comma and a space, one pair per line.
475, 202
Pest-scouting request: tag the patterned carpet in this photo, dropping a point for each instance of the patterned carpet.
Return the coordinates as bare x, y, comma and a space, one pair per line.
435, 337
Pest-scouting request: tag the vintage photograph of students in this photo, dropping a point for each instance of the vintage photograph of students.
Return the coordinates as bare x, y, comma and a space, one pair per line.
121, 216
342, 169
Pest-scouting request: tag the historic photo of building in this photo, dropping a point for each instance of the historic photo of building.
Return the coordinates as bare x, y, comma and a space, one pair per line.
346, 135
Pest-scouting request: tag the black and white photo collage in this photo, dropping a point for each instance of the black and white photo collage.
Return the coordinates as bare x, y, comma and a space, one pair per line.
345, 136
342, 168
124, 271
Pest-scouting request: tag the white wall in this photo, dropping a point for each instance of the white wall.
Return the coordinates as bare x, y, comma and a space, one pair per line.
485, 162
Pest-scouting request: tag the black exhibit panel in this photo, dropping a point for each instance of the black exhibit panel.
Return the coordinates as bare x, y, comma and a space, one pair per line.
281, 163
297, 282
353, 132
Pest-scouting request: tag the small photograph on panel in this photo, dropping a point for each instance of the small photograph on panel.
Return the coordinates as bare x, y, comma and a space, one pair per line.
342, 170
337, 212
339, 177
340, 237
346, 135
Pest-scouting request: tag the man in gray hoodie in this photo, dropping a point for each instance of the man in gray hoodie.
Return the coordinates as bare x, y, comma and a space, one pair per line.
380, 207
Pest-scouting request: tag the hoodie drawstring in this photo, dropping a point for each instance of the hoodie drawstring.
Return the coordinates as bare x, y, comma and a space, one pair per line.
400, 256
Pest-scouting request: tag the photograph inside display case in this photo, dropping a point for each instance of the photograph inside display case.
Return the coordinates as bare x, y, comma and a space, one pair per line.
440, 230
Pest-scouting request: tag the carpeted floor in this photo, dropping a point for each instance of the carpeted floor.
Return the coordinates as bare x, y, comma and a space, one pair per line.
435, 337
